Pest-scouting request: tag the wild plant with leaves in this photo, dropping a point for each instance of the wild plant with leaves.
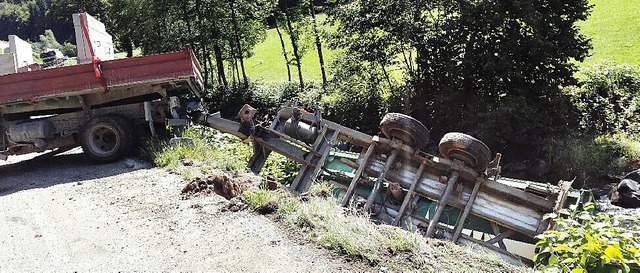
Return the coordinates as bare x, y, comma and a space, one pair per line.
589, 242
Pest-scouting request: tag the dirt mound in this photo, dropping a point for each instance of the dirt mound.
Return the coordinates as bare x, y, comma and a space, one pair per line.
227, 185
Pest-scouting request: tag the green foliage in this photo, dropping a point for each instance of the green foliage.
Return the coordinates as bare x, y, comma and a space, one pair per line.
210, 151
357, 94
607, 155
262, 199
465, 61
48, 40
588, 242
268, 65
608, 98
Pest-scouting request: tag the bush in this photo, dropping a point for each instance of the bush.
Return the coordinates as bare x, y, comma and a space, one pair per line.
599, 157
584, 242
608, 98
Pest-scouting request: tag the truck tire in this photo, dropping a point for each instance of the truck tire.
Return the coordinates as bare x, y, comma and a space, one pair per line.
473, 152
108, 138
411, 131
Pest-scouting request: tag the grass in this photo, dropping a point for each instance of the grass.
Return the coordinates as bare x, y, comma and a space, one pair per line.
212, 151
268, 64
323, 221
614, 27
209, 151
121, 55
318, 216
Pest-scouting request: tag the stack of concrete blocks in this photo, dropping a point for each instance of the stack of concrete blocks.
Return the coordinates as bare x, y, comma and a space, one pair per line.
101, 41
17, 58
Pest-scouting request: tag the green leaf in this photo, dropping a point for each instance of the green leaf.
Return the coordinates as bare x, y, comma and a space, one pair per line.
613, 251
553, 260
577, 270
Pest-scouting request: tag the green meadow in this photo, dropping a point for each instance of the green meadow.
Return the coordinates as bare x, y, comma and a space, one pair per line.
614, 27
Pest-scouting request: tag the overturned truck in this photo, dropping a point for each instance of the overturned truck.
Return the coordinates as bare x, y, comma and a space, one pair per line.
458, 195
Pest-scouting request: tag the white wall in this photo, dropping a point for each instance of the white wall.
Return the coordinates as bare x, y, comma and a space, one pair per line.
101, 40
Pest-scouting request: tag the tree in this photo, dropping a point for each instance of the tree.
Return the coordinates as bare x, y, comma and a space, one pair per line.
293, 12
316, 35
491, 68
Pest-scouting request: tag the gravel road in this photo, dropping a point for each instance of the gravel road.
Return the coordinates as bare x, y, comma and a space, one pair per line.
64, 214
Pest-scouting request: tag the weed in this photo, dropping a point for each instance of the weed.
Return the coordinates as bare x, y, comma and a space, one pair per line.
588, 242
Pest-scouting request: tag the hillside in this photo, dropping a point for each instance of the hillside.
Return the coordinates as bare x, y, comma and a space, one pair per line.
614, 27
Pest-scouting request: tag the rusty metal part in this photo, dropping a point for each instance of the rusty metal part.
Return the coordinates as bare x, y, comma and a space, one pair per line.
381, 177
467, 209
247, 113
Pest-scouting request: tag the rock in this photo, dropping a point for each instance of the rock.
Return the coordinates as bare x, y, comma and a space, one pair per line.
181, 141
539, 169
627, 194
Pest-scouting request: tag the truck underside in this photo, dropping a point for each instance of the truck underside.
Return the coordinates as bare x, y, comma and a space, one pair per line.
448, 196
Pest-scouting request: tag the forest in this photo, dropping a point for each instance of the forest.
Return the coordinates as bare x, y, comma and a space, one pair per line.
506, 72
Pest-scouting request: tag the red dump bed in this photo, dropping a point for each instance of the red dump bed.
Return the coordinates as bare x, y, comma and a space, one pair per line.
169, 70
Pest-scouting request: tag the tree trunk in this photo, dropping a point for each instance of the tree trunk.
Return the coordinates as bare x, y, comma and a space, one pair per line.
234, 54
284, 49
217, 52
318, 43
206, 68
240, 53
294, 43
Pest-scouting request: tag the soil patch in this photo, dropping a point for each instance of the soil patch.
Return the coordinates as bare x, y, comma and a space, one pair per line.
226, 184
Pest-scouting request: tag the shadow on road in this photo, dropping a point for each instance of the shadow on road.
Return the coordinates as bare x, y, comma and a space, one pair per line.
43, 171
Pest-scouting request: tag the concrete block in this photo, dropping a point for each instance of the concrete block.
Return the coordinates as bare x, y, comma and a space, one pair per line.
7, 64
21, 50
4, 47
101, 41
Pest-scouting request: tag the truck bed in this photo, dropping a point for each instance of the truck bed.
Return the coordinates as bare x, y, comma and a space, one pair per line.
78, 86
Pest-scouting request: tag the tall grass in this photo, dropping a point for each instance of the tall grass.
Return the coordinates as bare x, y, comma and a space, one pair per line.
211, 151
351, 233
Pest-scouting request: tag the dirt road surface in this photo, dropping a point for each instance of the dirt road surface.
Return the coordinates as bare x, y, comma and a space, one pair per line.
65, 214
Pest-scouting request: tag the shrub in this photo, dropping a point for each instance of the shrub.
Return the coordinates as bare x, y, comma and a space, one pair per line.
608, 98
598, 157
588, 242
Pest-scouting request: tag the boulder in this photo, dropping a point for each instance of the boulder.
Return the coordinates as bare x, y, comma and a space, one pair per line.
627, 194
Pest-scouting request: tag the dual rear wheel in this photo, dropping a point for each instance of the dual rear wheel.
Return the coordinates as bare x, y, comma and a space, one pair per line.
473, 152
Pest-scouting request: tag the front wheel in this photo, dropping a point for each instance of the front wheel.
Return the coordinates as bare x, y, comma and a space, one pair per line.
106, 139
